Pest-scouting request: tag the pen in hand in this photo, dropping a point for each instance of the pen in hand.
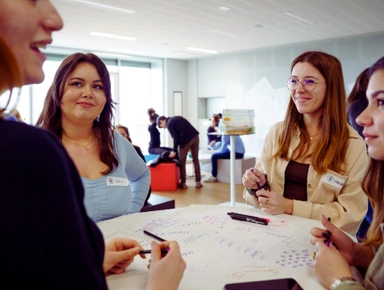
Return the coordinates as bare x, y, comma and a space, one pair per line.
266, 184
153, 236
163, 251
258, 184
327, 235
156, 238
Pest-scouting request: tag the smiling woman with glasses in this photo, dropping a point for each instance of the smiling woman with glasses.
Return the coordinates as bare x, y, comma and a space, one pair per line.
313, 159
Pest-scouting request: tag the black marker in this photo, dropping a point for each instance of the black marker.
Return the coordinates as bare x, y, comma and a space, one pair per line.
248, 218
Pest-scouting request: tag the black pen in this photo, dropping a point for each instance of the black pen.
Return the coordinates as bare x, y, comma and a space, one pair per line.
153, 236
327, 235
163, 251
258, 184
266, 185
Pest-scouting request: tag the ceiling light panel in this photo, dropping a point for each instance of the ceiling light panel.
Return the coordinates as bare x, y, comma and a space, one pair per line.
298, 18
202, 50
115, 36
220, 32
104, 6
125, 51
224, 8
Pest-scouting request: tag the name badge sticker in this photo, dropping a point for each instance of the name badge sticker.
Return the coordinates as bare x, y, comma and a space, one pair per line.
117, 181
333, 180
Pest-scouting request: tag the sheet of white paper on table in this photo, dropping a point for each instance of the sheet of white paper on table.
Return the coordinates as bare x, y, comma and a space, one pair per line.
219, 250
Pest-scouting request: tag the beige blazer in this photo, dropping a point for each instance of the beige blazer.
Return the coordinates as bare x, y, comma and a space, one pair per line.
338, 196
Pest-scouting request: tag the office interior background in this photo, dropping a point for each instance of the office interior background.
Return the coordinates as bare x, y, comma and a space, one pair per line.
195, 58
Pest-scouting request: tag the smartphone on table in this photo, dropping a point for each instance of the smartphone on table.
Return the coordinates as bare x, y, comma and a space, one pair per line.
276, 284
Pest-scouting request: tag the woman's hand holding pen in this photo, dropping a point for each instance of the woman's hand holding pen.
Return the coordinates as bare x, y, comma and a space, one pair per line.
119, 254
165, 272
356, 254
269, 201
253, 179
329, 264
333, 235
274, 203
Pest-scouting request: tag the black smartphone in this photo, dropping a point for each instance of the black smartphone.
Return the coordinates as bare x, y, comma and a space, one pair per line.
276, 284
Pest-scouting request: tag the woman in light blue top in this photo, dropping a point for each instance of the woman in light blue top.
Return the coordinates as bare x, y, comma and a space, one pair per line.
78, 110
122, 191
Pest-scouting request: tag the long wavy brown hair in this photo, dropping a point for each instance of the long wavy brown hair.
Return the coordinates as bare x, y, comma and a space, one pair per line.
373, 185
330, 150
50, 117
10, 73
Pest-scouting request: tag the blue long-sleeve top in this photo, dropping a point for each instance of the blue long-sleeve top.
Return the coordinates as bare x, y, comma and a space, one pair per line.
123, 191
226, 142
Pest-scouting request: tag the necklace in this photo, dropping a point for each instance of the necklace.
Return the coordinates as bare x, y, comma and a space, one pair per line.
83, 146
312, 137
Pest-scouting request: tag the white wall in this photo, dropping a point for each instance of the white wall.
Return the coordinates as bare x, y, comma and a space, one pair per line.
157, 82
175, 79
256, 79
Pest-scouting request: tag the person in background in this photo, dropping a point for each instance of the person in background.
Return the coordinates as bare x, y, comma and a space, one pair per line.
313, 159
185, 138
154, 143
224, 152
13, 115
214, 141
17, 115
332, 264
42, 216
123, 131
357, 102
9, 117
78, 111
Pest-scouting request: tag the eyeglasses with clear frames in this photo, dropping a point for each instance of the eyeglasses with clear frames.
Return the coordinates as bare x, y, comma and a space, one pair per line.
308, 84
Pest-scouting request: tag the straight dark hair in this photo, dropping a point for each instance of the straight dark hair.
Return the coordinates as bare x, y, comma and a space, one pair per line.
50, 117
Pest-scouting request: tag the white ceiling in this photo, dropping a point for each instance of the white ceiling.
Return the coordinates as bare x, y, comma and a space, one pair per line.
166, 28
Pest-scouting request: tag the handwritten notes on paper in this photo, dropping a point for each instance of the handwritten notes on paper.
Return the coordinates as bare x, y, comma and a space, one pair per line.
219, 250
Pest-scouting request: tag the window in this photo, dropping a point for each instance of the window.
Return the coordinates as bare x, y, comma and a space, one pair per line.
134, 100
